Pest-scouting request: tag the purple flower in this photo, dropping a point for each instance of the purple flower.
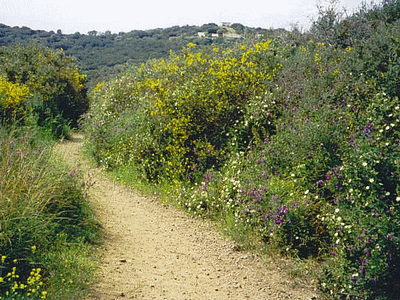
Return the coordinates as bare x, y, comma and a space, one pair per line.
72, 173
364, 262
208, 176
368, 253
319, 182
328, 176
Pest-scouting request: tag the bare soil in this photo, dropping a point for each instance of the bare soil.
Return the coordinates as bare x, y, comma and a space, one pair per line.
155, 251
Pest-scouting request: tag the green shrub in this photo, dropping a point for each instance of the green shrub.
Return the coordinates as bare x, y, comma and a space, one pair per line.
58, 95
178, 111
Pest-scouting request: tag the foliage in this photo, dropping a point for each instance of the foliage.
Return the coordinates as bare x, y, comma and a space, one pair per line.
44, 216
294, 141
172, 117
58, 95
103, 55
12, 100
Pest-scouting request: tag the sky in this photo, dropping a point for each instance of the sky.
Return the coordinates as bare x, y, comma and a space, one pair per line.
123, 15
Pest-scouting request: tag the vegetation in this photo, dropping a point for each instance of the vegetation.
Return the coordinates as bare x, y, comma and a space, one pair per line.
48, 232
102, 55
293, 140
41, 83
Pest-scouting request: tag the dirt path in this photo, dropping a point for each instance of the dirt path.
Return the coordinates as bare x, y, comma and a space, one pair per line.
153, 251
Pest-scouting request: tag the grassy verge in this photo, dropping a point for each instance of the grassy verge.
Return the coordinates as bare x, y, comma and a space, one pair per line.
48, 231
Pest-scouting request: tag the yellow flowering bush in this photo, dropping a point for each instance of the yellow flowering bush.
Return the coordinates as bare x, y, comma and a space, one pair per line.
180, 110
59, 96
12, 99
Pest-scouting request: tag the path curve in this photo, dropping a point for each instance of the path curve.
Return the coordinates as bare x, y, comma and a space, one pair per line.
154, 251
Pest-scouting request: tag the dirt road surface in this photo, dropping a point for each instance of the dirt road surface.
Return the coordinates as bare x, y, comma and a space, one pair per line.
155, 251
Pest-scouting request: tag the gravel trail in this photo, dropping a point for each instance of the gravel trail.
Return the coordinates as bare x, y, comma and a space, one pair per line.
154, 251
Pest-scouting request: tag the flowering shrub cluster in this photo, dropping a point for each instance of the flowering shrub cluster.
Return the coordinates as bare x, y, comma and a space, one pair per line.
172, 117
12, 100
295, 141
57, 95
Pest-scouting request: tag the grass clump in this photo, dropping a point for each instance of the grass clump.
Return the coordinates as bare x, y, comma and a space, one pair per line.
48, 231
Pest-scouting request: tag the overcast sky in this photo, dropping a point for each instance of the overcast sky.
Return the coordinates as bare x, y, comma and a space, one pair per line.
122, 15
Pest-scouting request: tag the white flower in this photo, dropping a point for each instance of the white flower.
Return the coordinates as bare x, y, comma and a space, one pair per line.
337, 210
371, 180
364, 164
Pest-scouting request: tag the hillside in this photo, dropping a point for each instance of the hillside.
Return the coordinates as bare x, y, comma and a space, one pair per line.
102, 55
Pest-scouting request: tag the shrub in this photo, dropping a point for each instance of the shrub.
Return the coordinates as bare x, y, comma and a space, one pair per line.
183, 109
13, 99
58, 95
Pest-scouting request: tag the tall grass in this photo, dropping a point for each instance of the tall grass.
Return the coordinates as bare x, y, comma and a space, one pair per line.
46, 223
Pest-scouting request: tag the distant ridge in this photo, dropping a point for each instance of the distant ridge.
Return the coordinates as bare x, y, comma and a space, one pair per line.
104, 54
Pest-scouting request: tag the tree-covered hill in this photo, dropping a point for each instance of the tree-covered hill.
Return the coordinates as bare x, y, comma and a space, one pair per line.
103, 54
